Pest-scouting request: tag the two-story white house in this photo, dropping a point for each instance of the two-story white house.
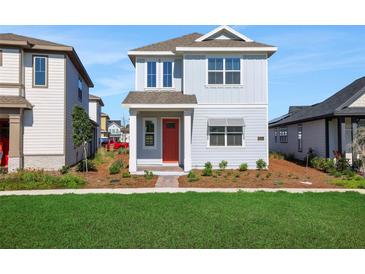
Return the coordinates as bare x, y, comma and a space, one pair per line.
95, 105
40, 83
199, 98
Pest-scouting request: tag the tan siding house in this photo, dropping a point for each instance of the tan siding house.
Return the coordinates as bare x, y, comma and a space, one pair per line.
43, 79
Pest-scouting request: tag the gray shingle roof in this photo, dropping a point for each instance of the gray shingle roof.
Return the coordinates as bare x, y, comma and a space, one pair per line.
189, 41
96, 98
31, 40
159, 97
14, 102
334, 105
118, 122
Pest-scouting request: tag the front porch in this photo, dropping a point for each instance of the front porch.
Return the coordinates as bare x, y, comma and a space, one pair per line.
160, 141
340, 134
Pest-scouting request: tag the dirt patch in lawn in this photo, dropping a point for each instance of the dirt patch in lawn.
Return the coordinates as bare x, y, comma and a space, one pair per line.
281, 174
103, 179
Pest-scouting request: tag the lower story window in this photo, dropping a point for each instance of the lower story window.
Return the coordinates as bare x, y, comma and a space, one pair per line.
300, 138
225, 136
149, 132
283, 135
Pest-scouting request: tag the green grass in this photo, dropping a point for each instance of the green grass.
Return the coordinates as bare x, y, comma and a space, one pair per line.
190, 220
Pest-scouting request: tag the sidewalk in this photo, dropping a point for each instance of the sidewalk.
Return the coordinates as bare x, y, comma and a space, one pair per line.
169, 190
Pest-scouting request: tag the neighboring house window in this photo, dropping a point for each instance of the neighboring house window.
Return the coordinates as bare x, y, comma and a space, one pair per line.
151, 74
40, 71
215, 71
300, 138
224, 71
149, 133
1, 58
79, 84
233, 71
283, 135
225, 135
167, 74
276, 135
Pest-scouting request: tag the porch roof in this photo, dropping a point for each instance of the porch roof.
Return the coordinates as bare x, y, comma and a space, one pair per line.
153, 98
14, 102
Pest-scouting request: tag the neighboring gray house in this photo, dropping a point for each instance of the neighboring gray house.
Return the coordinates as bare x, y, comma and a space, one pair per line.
199, 98
95, 105
40, 83
325, 127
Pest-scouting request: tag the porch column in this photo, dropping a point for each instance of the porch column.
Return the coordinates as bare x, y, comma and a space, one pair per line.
187, 140
132, 141
15, 142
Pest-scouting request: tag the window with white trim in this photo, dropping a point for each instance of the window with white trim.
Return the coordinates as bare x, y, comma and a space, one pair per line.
40, 71
149, 133
224, 71
79, 90
225, 132
300, 138
151, 74
167, 74
283, 135
276, 135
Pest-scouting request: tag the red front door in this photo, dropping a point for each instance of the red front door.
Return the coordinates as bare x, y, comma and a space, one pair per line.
170, 136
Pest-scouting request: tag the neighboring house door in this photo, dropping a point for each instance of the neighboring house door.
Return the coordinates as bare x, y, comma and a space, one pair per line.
170, 136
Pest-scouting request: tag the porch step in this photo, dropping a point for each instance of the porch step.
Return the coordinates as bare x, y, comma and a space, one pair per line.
162, 173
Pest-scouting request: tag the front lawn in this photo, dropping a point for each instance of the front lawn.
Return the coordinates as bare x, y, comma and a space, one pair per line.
184, 220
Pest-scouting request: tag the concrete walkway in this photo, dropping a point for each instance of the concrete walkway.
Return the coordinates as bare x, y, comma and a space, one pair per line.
167, 181
169, 190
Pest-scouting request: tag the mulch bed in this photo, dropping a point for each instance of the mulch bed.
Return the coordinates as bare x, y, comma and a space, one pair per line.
281, 174
102, 178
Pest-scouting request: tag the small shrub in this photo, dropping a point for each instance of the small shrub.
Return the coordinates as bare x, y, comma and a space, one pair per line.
260, 164
343, 164
278, 182
81, 166
3, 170
192, 176
355, 182
148, 174
277, 155
243, 167
219, 172
207, 171
71, 181
65, 169
126, 174
268, 175
257, 174
116, 167
123, 150
223, 165
237, 175
357, 164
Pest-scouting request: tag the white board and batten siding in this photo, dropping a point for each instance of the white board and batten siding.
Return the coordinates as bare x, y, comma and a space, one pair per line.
253, 88
255, 126
313, 136
73, 155
10, 71
44, 123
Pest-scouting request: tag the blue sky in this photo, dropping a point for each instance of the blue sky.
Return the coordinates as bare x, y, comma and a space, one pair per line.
312, 62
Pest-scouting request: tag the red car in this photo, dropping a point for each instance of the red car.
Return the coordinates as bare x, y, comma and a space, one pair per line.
116, 145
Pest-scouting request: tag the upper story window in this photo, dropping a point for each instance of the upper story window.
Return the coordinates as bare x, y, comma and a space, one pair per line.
167, 74
79, 90
224, 71
40, 71
151, 74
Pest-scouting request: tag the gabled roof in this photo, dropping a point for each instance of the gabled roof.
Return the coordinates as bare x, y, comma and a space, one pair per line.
105, 115
30, 43
14, 102
96, 98
337, 104
158, 97
117, 122
211, 41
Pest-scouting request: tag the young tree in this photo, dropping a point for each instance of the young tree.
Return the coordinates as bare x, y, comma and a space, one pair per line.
359, 145
82, 130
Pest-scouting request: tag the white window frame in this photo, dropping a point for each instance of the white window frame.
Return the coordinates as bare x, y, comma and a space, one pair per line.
146, 74
225, 138
46, 71
154, 121
172, 73
159, 73
300, 140
224, 71
283, 130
